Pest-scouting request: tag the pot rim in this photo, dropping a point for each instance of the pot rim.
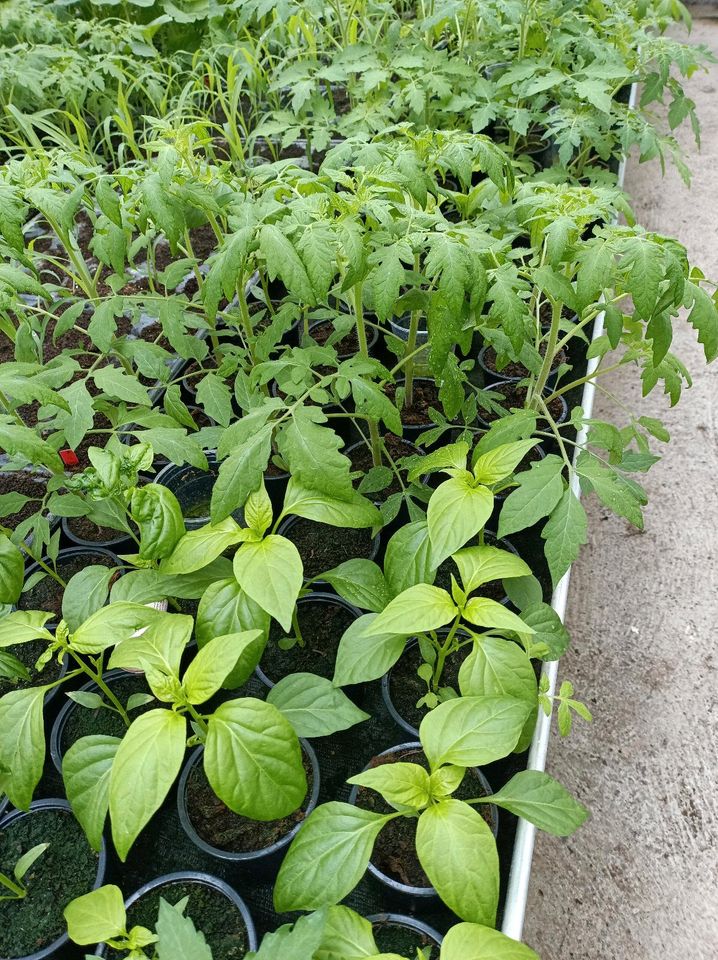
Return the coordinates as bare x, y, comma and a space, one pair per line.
404, 920
500, 383
55, 803
246, 856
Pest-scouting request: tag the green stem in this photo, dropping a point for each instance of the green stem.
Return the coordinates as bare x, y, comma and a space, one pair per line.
9, 409
538, 387
96, 677
297, 628
43, 566
364, 352
444, 651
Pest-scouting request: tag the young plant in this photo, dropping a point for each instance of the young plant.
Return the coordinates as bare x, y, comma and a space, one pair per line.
16, 888
454, 844
99, 917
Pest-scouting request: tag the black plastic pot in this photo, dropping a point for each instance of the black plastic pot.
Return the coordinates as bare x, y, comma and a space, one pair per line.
496, 385
205, 879
353, 691
51, 697
401, 892
418, 927
193, 489
497, 375
88, 555
121, 543
53, 949
262, 861
4, 805
58, 727
285, 529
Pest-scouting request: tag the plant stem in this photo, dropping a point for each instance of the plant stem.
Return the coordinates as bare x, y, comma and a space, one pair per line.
297, 628
96, 676
444, 651
364, 352
545, 372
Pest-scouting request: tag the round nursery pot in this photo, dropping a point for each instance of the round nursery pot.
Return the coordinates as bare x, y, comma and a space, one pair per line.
232, 838
513, 370
323, 619
400, 328
515, 398
215, 907
323, 546
394, 862
34, 928
75, 721
4, 805
193, 489
397, 933
47, 594
82, 532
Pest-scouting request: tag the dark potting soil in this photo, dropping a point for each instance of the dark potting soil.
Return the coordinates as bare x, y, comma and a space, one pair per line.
546, 313
348, 346
493, 589
393, 937
515, 369
426, 396
203, 241
85, 529
222, 828
27, 484
29, 654
67, 869
395, 847
397, 449
322, 546
47, 594
406, 687
322, 623
515, 396
212, 913
85, 721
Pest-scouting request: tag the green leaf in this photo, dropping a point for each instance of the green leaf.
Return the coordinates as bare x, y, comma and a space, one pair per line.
82, 415
497, 668
178, 936
283, 261
703, 318
146, 765
548, 629
312, 455
456, 512
21, 441
241, 473
360, 582
314, 706
175, 445
471, 941
12, 571
401, 784
301, 939
115, 383
386, 279
519, 425
328, 857
564, 534
159, 647
258, 512
226, 608
538, 491
644, 275
23, 626
199, 547
158, 515
622, 496
408, 560
86, 768
453, 455
457, 850
214, 663
500, 462
481, 564
85, 593
362, 656
472, 731
420, 608
488, 613
22, 744
356, 513
111, 625
543, 801
271, 573
27, 860
346, 934
97, 916
214, 397
253, 760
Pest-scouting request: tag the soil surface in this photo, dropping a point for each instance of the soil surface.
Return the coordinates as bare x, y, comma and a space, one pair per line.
404, 941
84, 721
222, 828
406, 687
85, 529
515, 396
322, 546
395, 848
516, 369
348, 346
396, 447
322, 623
212, 913
426, 396
47, 594
67, 869
27, 484
29, 654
